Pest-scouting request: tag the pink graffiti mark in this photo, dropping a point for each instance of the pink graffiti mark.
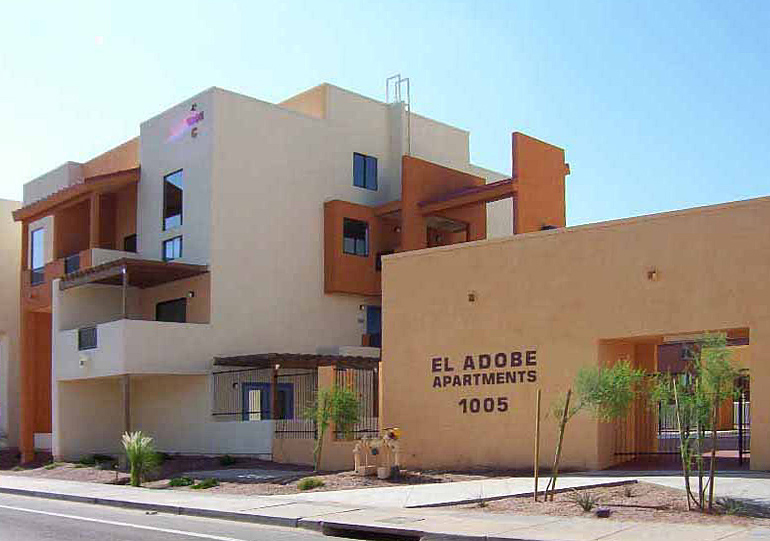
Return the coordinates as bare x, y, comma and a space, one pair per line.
184, 125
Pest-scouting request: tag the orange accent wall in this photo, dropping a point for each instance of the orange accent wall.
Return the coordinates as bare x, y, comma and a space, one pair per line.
346, 273
125, 214
35, 407
539, 171
120, 158
71, 230
422, 180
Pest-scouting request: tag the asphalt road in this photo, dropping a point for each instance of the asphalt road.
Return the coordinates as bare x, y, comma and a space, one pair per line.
33, 519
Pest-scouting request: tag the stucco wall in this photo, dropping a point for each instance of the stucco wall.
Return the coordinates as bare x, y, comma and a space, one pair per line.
167, 146
176, 412
89, 418
10, 250
560, 292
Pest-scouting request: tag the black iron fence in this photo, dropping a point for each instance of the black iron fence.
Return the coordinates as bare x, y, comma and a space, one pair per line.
365, 383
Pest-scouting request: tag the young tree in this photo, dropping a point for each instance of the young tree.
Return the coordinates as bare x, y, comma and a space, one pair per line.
708, 381
606, 392
338, 405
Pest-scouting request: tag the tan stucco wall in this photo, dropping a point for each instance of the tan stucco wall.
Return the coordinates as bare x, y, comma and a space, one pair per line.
10, 251
561, 292
89, 418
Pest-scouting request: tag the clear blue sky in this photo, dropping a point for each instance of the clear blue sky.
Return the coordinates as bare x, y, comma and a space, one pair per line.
659, 105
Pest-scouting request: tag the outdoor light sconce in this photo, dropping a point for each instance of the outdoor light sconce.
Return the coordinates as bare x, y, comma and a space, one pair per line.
652, 275
190, 294
471, 296
235, 385
397, 229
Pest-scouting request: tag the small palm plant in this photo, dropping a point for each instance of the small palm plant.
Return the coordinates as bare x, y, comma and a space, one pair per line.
141, 456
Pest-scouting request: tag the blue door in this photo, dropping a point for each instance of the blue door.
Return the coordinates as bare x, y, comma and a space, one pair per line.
374, 325
256, 400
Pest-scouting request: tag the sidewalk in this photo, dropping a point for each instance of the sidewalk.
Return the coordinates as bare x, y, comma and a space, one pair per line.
330, 517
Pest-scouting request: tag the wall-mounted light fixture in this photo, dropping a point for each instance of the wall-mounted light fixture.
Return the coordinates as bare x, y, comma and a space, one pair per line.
194, 107
194, 132
190, 294
235, 385
471, 296
397, 229
652, 275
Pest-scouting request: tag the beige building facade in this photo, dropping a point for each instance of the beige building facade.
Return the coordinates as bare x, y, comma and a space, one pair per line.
159, 278
494, 321
10, 247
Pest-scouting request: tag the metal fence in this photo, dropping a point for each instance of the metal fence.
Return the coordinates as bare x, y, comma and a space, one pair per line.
365, 384
303, 386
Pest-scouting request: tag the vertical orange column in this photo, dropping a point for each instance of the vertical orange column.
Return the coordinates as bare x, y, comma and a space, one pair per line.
27, 402
95, 221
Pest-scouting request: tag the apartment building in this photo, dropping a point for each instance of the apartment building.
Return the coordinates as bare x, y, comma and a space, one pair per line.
10, 240
202, 281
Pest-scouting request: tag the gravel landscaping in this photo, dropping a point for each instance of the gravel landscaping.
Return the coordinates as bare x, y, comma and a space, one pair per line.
639, 502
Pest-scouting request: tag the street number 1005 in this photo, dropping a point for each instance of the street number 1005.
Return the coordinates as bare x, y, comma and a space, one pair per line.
485, 405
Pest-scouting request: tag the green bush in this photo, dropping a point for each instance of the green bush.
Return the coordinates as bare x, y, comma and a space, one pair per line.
103, 458
181, 482
309, 483
585, 500
227, 460
51, 466
206, 483
87, 460
141, 456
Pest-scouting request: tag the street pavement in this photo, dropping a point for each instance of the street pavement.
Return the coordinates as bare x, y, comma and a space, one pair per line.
342, 513
24, 518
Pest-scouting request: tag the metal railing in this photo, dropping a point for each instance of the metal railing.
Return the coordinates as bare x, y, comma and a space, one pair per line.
365, 384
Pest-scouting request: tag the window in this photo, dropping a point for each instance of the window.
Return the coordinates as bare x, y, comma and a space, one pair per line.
364, 171
355, 239
173, 311
378, 261
172, 249
86, 338
129, 243
37, 256
173, 189
71, 263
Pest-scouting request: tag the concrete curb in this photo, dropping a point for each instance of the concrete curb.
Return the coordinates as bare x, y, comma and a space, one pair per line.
522, 495
161, 508
327, 527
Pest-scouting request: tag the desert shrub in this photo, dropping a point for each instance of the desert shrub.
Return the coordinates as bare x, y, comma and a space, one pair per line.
181, 482
309, 483
141, 456
206, 483
731, 506
227, 460
628, 491
584, 499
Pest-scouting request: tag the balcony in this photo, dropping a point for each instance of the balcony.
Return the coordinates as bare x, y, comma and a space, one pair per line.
128, 346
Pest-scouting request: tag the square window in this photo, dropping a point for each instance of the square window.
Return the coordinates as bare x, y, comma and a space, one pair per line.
364, 171
172, 249
355, 237
87, 338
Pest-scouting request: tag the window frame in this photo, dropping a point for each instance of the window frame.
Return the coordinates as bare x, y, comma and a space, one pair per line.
163, 248
367, 182
87, 346
168, 303
164, 218
356, 240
